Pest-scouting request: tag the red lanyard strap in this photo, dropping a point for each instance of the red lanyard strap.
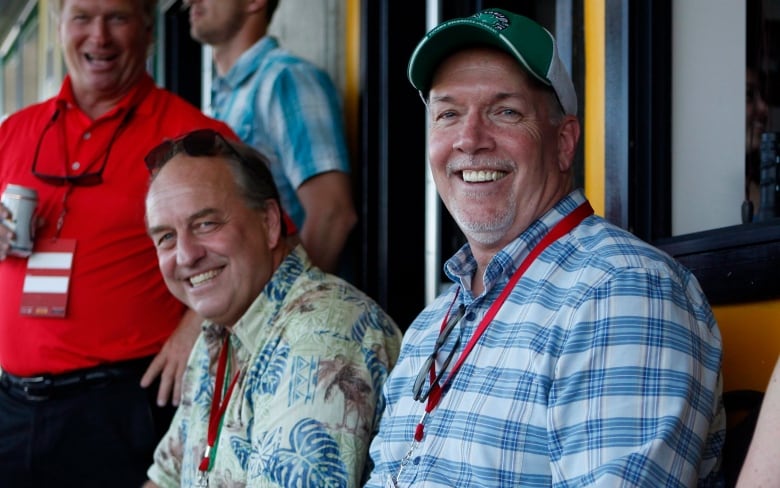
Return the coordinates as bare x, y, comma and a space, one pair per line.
218, 405
560, 229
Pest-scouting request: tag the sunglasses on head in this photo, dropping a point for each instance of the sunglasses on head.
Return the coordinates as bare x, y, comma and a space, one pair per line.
208, 142
201, 142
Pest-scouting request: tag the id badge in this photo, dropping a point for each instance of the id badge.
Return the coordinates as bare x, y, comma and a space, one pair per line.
47, 279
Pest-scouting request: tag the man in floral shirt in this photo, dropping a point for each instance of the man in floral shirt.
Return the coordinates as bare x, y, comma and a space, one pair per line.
283, 387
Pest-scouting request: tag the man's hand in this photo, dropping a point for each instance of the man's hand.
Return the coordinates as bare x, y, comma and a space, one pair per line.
171, 361
5, 233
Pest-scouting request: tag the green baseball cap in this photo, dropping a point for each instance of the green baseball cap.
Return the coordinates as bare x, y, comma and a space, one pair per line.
528, 42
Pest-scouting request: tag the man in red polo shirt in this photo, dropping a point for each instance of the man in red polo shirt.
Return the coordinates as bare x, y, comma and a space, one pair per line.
83, 316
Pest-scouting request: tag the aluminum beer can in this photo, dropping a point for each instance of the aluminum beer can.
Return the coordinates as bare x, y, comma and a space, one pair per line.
21, 202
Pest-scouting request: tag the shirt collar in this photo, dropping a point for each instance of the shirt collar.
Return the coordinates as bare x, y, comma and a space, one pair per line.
251, 330
132, 98
248, 63
462, 265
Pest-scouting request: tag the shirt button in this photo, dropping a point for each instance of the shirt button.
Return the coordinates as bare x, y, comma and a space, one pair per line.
87, 135
416, 460
75, 165
470, 316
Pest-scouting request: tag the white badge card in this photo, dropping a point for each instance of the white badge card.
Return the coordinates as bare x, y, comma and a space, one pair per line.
47, 280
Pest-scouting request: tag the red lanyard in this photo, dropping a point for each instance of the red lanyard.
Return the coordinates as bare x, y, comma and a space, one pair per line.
218, 406
562, 228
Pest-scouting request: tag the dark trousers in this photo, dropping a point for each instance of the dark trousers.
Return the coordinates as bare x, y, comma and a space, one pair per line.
101, 435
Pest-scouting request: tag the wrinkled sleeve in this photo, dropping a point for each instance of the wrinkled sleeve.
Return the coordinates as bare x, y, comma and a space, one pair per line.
166, 471
314, 142
635, 399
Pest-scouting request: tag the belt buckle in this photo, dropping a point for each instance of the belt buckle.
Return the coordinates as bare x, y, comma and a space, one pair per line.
37, 387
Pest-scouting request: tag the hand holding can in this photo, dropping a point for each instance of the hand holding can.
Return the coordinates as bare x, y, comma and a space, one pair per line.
19, 204
5, 233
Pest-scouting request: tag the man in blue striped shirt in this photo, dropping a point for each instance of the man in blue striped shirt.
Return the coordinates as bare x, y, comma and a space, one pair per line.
567, 352
289, 110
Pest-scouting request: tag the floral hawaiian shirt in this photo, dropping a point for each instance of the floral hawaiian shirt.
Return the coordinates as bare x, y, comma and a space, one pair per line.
312, 353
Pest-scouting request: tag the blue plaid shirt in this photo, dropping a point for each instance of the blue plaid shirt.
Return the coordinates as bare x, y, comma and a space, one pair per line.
602, 368
289, 110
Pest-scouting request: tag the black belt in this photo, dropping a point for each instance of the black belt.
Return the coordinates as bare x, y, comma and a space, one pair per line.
47, 386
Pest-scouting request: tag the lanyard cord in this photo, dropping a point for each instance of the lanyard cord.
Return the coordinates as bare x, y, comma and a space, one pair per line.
218, 406
562, 228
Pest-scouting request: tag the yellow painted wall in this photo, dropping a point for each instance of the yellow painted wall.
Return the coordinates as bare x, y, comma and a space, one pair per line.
751, 343
352, 75
593, 116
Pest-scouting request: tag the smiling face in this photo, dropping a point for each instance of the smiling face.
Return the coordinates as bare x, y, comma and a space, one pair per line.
215, 253
105, 44
499, 152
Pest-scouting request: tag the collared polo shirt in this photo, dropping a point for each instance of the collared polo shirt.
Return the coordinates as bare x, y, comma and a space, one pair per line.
119, 307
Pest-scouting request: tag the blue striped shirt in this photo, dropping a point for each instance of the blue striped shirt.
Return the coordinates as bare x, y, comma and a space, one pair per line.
602, 368
289, 110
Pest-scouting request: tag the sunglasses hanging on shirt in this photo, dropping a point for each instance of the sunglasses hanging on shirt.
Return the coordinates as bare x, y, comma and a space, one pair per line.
87, 178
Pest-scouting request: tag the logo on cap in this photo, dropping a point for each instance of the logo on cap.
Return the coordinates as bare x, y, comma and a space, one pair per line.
498, 22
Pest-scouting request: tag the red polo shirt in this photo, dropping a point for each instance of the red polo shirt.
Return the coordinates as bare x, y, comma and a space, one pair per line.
119, 307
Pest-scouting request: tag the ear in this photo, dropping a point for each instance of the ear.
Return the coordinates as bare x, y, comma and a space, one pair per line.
568, 136
272, 219
254, 6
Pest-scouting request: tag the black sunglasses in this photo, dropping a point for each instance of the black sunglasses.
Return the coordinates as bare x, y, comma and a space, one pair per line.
201, 142
417, 389
84, 179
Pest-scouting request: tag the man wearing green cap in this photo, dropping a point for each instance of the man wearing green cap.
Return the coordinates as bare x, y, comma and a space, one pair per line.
567, 352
